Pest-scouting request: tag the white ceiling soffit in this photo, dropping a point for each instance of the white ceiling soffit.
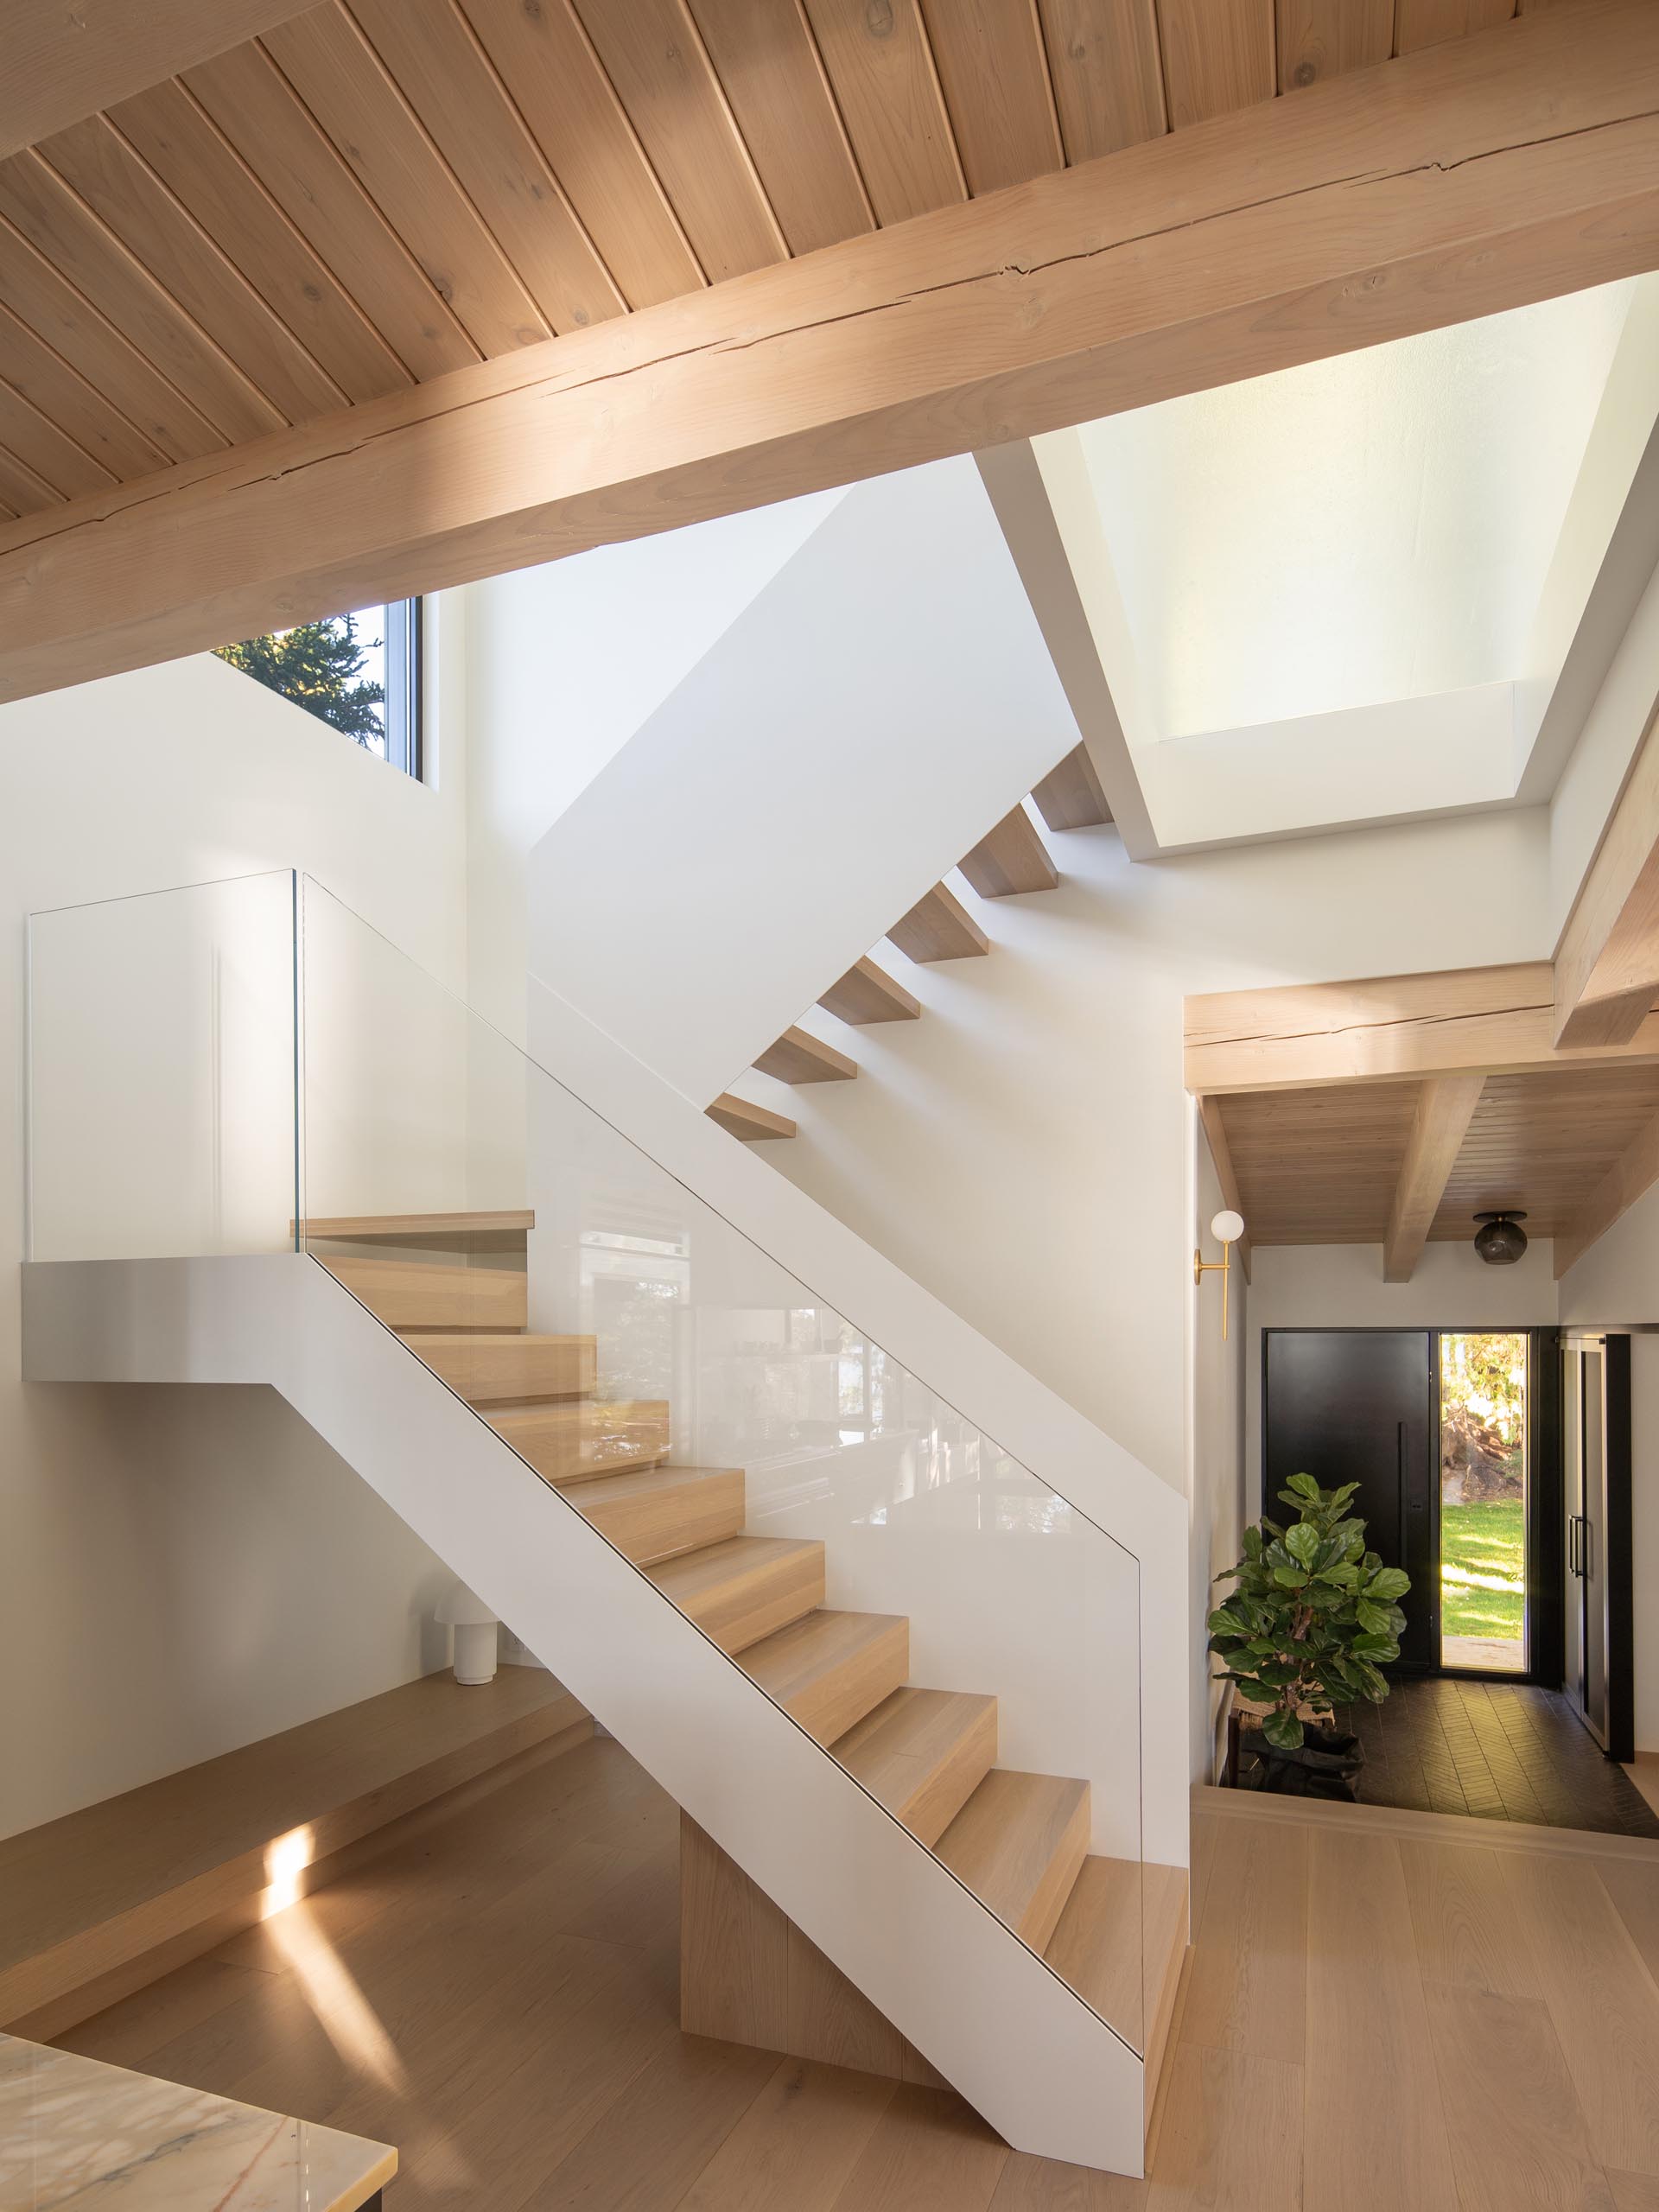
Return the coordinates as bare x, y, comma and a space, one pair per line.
1370, 588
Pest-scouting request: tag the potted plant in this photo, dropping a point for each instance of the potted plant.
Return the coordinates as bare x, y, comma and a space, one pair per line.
1314, 1618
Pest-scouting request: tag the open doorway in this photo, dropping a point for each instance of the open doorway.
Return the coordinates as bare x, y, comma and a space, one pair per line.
1484, 1418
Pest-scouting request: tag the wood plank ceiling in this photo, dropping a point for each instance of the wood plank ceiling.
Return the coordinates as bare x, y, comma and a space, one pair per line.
1321, 1166
378, 191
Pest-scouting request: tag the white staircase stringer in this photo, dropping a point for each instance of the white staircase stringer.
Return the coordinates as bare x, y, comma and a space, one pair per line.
994, 2021
1059, 1446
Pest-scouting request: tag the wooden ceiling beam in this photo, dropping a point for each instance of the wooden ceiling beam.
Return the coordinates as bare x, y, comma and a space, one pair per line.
1445, 1107
1476, 176
1607, 963
64, 63
1631, 1177
1452, 1022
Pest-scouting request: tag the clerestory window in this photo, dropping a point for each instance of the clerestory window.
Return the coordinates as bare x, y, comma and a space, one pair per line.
360, 672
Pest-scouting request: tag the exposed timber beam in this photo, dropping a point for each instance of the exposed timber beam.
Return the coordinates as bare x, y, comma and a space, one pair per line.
1473, 177
1607, 963
1454, 1021
1445, 1106
1221, 1158
62, 62
1629, 1178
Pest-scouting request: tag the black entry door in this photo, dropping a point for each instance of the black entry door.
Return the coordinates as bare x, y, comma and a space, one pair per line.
1357, 1406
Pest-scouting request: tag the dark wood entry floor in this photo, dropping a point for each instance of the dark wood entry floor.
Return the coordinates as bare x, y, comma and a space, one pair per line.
1499, 1751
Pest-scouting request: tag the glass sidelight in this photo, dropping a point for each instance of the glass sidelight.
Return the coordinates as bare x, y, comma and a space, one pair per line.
1483, 1498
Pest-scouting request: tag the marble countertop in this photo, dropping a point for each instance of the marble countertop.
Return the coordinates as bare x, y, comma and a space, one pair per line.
77, 2133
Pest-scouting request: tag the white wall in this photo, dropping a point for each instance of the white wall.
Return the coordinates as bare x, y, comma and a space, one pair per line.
1616, 1284
564, 662
862, 724
1216, 1480
186, 1571
1022, 1149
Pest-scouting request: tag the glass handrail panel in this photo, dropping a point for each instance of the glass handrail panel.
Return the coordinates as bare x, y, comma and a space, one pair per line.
605, 1321
162, 1073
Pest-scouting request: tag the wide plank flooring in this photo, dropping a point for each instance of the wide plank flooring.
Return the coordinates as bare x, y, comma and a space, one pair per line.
1372, 2019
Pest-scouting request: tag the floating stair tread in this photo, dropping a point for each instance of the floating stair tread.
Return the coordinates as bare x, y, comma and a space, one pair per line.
1069, 797
1010, 859
1018, 1844
829, 1668
656, 1512
799, 1057
922, 1754
574, 1440
752, 1123
939, 927
745, 1588
416, 1294
504, 1232
868, 993
1116, 1938
484, 1368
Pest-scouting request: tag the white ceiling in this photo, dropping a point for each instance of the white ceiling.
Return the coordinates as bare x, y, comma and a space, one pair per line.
1374, 528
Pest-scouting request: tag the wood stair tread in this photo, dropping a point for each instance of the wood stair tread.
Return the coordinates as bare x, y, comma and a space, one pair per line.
829, 1668
1018, 1844
645, 1482
486, 1367
1116, 1938
745, 1588
574, 1440
867, 993
939, 927
922, 1753
799, 1057
1071, 796
415, 1295
739, 1118
504, 1230
656, 1513
1010, 859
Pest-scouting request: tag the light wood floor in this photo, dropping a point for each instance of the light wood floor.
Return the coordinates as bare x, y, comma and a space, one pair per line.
1374, 2020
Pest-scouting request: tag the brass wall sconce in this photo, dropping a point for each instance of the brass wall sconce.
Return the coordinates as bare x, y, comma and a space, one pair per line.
1227, 1228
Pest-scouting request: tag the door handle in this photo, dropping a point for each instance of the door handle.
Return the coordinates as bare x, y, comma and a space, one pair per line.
1414, 1485
1587, 1547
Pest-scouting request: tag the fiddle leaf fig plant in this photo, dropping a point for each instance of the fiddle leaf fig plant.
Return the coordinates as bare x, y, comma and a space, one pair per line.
1314, 1617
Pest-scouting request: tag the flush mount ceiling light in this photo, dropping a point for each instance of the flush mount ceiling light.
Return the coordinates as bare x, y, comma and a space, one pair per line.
1501, 1240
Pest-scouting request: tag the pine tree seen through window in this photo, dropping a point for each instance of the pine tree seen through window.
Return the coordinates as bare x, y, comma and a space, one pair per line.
357, 671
